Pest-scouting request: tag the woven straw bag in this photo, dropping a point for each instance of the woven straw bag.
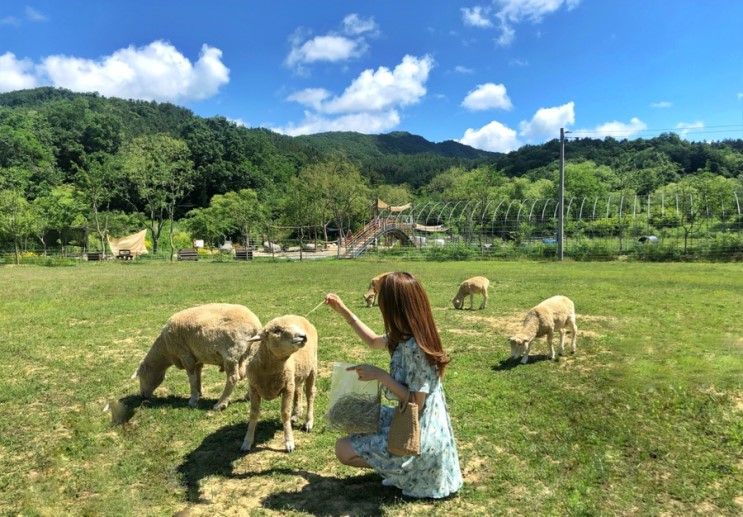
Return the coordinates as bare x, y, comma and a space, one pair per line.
404, 438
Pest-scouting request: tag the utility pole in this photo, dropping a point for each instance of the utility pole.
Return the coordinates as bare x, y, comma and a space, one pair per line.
561, 199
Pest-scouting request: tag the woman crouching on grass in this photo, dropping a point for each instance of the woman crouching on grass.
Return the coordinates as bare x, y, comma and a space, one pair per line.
416, 366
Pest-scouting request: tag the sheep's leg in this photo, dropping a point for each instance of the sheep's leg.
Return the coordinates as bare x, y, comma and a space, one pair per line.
309, 392
472, 301
232, 377
296, 406
550, 336
287, 397
194, 379
562, 341
525, 358
255, 411
574, 331
484, 300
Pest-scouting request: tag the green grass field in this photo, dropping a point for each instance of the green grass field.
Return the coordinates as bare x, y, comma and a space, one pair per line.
647, 418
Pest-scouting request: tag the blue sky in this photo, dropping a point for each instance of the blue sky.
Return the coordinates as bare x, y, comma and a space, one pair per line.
492, 74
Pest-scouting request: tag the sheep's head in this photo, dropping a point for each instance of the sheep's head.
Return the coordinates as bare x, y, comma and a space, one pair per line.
149, 378
282, 337
457, 302
519, 346
369, 297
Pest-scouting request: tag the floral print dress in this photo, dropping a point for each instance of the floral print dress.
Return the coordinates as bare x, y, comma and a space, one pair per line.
435, 473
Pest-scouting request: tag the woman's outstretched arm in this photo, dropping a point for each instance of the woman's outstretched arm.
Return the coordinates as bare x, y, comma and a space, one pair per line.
366, 334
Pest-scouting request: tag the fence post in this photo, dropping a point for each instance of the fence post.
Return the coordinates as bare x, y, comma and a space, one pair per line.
561, 195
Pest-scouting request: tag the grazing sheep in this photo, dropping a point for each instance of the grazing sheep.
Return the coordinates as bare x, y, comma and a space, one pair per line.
216, 333
370, 297
285, 359
553, 314
476, 284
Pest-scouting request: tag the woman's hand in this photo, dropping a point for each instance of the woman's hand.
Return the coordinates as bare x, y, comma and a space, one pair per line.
335, 303
367, 372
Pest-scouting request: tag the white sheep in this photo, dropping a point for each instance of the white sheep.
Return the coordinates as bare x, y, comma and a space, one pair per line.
553, 314
471, 286
370, 296
286, 359
216, 333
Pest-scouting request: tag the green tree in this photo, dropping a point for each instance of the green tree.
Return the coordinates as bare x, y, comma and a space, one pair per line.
17, 219
160, 169
62, 209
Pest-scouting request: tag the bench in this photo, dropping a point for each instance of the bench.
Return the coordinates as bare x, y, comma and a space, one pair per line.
95, 256
188, 254
243, 254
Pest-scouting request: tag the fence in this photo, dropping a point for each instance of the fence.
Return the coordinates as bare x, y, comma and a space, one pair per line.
649, 228
678, 227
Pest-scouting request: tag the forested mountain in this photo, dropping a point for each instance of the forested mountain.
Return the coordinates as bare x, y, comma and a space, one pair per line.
72, 157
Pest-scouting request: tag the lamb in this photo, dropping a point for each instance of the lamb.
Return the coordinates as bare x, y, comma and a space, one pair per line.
476, 284
553, 314
370, 297
216, 333
285, 358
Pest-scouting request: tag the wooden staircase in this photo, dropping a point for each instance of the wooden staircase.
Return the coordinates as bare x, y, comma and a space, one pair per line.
357, 243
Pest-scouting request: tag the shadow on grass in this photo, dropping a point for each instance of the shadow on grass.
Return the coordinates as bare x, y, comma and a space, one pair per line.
511, 363
217, 452
330, 496
322, 495
123, 410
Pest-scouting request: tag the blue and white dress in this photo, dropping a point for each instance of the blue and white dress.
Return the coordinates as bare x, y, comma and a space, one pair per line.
435, 473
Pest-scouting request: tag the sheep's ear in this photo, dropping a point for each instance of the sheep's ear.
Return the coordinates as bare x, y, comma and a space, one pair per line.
255, 338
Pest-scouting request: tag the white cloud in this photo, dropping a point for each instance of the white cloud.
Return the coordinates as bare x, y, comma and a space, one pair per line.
518, 62
311, 97
354, 25
510, 13
487, 96
547, 122
332, 47
493, 137
377, 122
369, 104
15, 74
740, 95
684, 128
463, 70
661, 104
615, 129
34, 15
384, 88
476, 17
325, 48
157, 71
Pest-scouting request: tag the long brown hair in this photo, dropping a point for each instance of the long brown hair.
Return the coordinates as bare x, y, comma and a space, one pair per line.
407, 313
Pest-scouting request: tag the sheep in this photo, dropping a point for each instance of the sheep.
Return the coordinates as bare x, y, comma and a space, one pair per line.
286, 357
476, 284
215, 333
553, 314
370, 296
